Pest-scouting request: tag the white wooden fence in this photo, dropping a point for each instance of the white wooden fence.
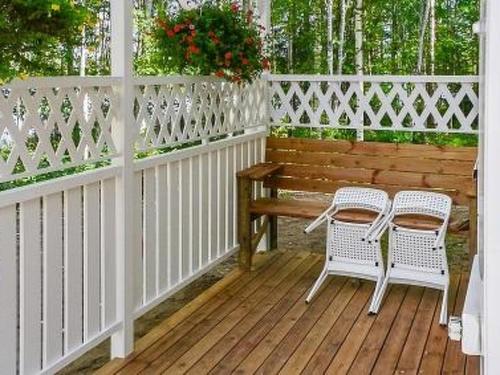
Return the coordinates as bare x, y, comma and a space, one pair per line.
61, 274
407, 103
58, 255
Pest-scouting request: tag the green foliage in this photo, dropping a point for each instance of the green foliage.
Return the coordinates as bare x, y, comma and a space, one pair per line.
32, 33
220, 40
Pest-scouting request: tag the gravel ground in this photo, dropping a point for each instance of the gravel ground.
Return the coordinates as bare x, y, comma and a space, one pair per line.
291, 237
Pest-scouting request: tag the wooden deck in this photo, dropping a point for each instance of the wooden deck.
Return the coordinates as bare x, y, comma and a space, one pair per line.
258, 323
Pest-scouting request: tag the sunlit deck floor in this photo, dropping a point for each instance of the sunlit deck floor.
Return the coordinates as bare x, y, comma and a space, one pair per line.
258, 323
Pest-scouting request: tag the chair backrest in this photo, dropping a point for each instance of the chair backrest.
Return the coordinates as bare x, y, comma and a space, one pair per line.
422, 203
361, 198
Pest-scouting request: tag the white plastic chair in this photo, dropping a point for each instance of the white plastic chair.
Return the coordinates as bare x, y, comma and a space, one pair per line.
350, 248
418, 257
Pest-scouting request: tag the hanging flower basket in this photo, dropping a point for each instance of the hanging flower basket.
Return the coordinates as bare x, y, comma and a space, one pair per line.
212, 40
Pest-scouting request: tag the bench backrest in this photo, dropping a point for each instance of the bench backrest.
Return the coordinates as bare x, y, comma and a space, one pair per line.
326, 165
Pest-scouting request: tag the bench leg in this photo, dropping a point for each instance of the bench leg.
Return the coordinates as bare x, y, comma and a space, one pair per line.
273, 226
245, 223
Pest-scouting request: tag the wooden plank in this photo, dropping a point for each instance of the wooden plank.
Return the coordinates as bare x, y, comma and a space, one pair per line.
52, 278
244, 222
73, 269
259, 171
108, 252
252, 350
149, 253
286, 293
410, 180
347, 352
295, 337
174, 224
435, 347
30, 300
195, 222
307, 209
138, 263
389, 355
454, 360
214, 204
287, 307
214, 311
185, 218
415, 342
321, 344
374, 148
91, 261
324, 186
372, 162
188, 350
202, 302
367, 355
8, 289
205, 209
162, 222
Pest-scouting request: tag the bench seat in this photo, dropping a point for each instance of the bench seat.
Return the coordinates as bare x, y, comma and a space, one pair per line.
324, 166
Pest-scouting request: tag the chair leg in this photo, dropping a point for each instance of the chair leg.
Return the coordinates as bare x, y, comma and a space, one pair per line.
377, 298
376, 292
317, 284
443, 317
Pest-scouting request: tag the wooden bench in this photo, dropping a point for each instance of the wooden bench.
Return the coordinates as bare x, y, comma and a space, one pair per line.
309, 165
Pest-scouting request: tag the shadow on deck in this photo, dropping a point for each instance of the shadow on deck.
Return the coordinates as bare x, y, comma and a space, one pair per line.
258, 323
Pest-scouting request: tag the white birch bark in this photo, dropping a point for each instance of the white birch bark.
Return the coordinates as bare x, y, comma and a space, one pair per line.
358, 34
421, 40
341, 36
433, 35
329, 42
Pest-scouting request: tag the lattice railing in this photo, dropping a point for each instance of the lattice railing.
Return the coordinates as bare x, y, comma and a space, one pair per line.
172, 110
409, 103
50, 124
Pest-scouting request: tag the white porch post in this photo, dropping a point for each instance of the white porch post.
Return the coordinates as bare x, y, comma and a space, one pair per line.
491, 321
122, 342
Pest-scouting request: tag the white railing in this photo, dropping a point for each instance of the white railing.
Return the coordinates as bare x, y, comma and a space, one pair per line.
61, 269
53, 123
407, 103
173, 111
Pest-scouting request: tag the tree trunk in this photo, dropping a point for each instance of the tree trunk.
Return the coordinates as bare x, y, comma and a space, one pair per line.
329, 42
358, 32
421, 40
341, 36
432, 4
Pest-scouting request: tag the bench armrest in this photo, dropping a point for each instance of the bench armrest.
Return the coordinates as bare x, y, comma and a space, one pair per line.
259, 172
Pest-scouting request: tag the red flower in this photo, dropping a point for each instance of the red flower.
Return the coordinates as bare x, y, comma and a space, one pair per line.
219, 74
244, 61
228, 55
235, 7
170, 33
193, 49
178, 28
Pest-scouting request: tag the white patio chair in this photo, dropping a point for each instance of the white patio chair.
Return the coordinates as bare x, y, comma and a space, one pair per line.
350, 248
416, 256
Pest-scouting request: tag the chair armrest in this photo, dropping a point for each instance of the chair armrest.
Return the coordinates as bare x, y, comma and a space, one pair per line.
259, 172
316, 223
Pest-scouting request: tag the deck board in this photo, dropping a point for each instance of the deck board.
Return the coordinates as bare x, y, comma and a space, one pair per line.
257, 322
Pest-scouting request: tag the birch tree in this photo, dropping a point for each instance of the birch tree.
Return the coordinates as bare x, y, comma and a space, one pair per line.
432, 6
421, 40
341, 36
329, 41
358, 36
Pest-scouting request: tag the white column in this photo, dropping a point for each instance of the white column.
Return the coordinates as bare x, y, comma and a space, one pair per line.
265, 15
122, 343
491, 81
